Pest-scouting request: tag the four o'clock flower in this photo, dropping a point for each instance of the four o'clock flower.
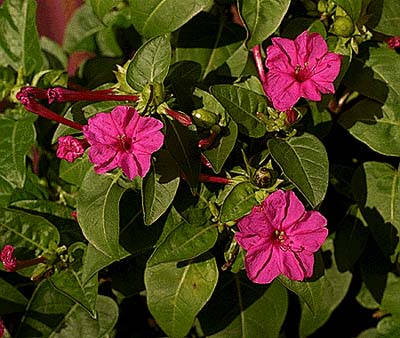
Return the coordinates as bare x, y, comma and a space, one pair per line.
280, 237
70, 148
123, 139
7, 258
299, 68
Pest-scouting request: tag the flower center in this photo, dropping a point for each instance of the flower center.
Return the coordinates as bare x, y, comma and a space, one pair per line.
123, 142
302, 73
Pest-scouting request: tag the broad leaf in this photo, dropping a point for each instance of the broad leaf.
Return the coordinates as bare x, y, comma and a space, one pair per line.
102, 7
209, 41
177, 292
262, 18
239, 202
242, 105
11, 300
19, 42
303, 159
150, 63
372, 120
75, 172
17, 139
156, 17
351, 7
240, 308
98, 212
376, 188
384, 16
159, 187
51, 314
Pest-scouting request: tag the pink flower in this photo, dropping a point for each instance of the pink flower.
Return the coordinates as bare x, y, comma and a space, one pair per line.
300, 68
394, 42
280, 237
2, 328
70, 148
123, 139
7, 258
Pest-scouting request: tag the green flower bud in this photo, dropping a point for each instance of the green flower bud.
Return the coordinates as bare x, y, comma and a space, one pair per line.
204, 118
322, 6
263, 177
343, 26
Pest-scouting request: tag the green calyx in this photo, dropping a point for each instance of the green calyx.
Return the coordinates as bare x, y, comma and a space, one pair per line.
343, 26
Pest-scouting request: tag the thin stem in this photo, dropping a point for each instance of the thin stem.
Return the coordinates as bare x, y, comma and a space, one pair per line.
214, 179
260, 65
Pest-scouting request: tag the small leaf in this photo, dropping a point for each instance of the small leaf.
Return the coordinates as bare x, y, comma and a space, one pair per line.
11, 300
262, 18
98, 212
239, 202
17, 140
176, 293
150, 63
156, 17
303, 159
242, 105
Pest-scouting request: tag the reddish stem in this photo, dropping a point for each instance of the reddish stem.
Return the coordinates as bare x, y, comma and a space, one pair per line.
29, 262
214, 179
260, 65
205, 143
182, 118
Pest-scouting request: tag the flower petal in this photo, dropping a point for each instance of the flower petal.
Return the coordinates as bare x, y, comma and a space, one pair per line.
311, 48
143, 161
121, 116
278, 60
291, 266
327, 69
129, 165
288, 52
283, 90
294, 210
309, 90
104, 157
100, 129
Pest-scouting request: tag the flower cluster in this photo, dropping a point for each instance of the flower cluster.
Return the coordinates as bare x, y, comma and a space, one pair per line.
280, 237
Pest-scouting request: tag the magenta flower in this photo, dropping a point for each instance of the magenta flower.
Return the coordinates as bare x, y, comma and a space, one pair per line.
2, 329
300, 68
394, 42
280, 237
7, 258
123, 139
70, 148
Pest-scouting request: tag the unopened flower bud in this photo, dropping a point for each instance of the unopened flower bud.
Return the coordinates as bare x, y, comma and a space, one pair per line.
153, 94
343, 26
263, 177
204, 118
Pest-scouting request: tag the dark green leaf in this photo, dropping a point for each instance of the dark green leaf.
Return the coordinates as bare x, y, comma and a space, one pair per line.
262, 18
176, 293
159, 187
98, 212
384, 16
303, 159
19, 42
242, 105
351, 7
240, 308
150, 63
239, 202
17, 140
209, 41
11, 300
75, 172
46, 207
156, 17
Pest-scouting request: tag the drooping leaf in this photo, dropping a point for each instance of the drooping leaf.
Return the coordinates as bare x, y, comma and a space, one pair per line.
157, 17
11, 300
98, 212
240, 308
239, 202
374, 119
303, 159
262, 18
242, 105
176, 293
209, 41
150, 63
17, 139
19, 41
376, 188
159, 187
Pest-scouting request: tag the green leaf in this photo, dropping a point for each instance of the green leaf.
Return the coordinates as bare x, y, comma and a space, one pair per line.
182, 241
182, 145
102, 7
219, 153
159, 187
150, 63
372, 120
376, 188
98, 212
239, 202
51, 314
351, 7
19, 42
75, 172
6, 191
156, 17
32, 233
384, 16
242, 105
176, 293
303, 159
391, 300
209, 41
262, 18
11, 300
240, 308
17, 140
